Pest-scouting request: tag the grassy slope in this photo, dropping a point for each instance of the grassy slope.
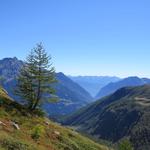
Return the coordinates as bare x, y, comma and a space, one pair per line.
52, 135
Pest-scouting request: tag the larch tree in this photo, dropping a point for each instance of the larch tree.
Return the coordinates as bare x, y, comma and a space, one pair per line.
34, 83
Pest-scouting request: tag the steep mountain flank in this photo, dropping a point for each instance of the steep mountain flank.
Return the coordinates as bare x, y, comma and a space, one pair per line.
120, 115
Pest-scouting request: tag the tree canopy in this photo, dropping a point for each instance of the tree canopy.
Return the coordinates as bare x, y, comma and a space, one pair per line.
34, 83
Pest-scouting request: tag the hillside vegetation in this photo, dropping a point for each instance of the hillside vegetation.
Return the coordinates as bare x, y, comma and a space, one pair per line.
21, 131
124, 114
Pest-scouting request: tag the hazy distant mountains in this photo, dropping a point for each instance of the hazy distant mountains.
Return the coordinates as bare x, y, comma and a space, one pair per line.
112, 87
71, 95
120, 115
93, 83
101, 86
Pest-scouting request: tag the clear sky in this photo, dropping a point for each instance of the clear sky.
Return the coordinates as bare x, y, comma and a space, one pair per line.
84, 37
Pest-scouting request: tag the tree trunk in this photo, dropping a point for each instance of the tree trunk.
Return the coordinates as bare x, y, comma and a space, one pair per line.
38, 91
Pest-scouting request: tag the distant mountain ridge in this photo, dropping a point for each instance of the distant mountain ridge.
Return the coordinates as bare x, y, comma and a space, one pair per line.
72, 95
93, 84
123, 114
112, 87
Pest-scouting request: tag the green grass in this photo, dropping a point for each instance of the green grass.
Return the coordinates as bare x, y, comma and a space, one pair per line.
35, 133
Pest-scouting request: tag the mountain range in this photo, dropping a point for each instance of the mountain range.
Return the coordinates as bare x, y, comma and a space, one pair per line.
71, 95
121, 111
70, 90
129, 81
93, 84
123, 114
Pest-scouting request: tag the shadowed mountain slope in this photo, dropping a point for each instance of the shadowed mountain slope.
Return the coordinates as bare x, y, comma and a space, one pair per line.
123, 114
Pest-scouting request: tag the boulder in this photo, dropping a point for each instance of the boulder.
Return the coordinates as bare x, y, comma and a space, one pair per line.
15, 125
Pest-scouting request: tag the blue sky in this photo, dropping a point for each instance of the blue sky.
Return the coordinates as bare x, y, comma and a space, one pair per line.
84, 37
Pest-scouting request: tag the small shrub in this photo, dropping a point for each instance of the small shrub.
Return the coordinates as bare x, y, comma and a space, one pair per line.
3, 113
39, 112
125, 145
37, 132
